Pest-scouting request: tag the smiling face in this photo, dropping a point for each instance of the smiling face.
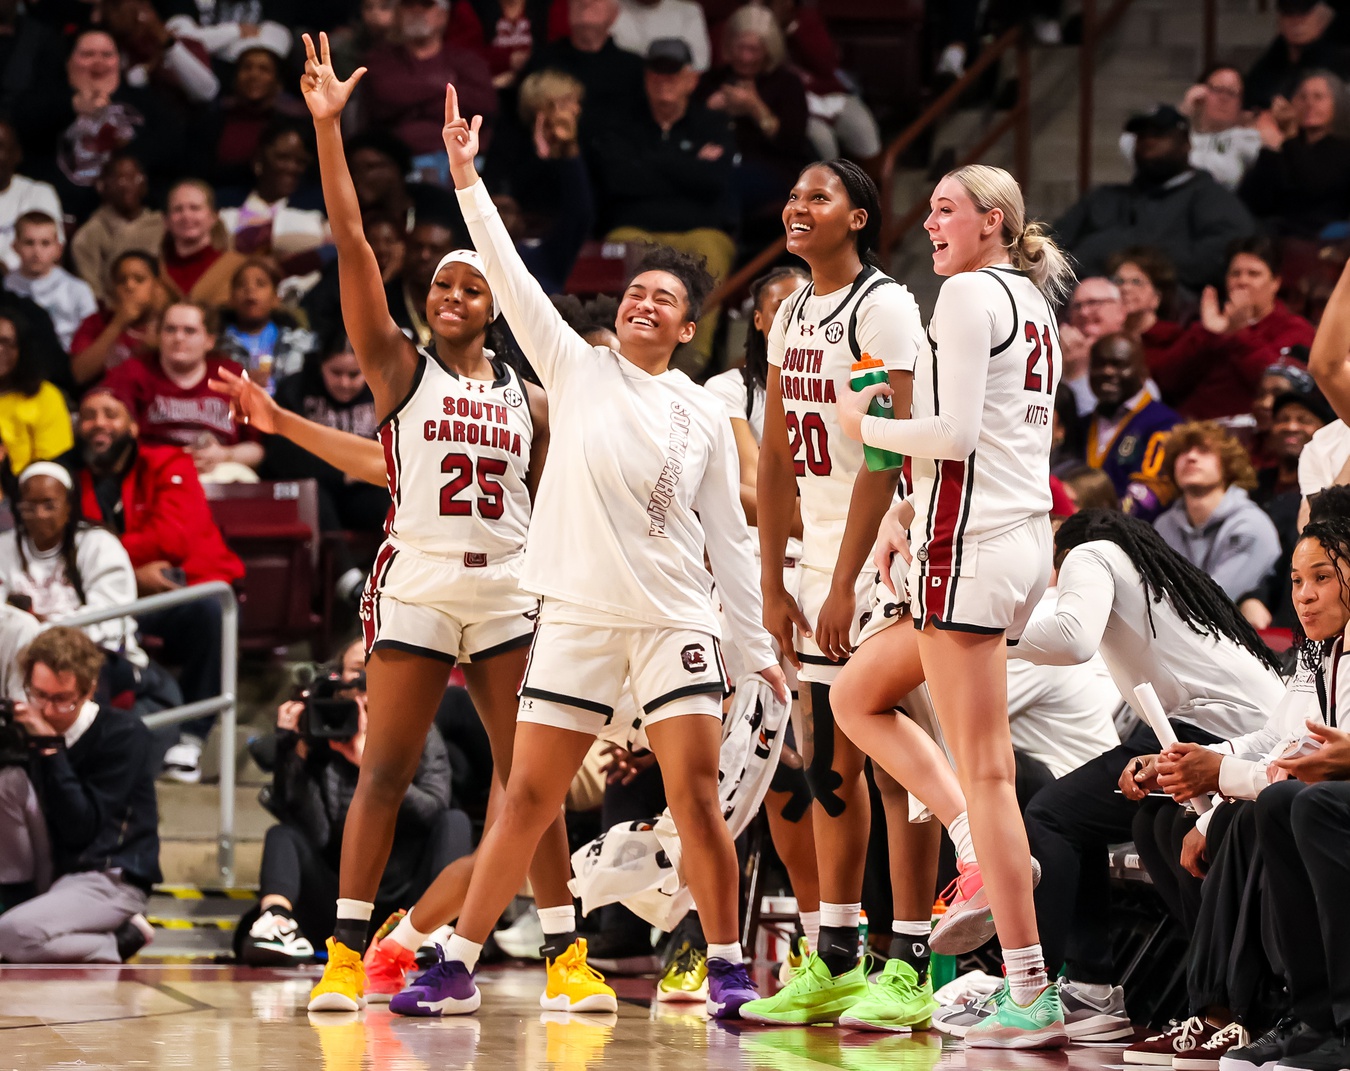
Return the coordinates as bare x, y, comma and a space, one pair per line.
189, 216
819, 217
459, 304
1319, 589
747, 55
105, 429
1272, 385
1096, 308
1136, 289
1290, 429
959, 231
281, 166
1116, 370
94, 66
257, 77
653, 312
44, 504
1315, 105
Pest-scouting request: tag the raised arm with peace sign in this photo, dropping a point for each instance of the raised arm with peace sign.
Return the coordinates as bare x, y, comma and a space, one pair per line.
325, 94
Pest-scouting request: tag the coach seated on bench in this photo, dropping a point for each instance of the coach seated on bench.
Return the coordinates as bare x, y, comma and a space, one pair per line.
77, 804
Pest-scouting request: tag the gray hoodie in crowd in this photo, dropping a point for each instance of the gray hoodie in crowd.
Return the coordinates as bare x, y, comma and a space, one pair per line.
1237, 546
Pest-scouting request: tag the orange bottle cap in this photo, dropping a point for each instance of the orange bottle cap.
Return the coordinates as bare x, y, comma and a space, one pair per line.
866, 361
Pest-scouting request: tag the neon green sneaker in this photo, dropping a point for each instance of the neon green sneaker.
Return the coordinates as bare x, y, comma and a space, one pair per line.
793, 961
1038, 1025
813, 996
686, 979
895, 1002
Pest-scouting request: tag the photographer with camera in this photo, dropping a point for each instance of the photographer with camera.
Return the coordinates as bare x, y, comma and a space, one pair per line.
89, 816
320, 741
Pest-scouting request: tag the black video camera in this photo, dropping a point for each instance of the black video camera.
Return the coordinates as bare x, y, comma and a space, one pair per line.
13, 737
331, 712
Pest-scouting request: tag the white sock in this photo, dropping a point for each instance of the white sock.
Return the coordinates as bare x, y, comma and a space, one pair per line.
408, 935
959, 831
731, 953
359, 910
920, 928
811, 928
1026, 972
556, 920
1095, 990
840, 914
462, 950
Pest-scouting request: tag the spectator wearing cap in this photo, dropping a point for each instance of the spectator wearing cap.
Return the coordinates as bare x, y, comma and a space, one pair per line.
1096, 308
1302, 45
1127, 432
404, 87
150, 498
1214, 369
19, 195
1223, 141
641, 23
228, 28
611, 76
1286, 374
1182, 212
228, 140
1301, 180
666, 177
121, 223
173, 403
1214, 524
767, 106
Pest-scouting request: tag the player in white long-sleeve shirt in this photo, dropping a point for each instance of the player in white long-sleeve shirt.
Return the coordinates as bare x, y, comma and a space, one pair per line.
464, 440
1156, 619
642, 483
978, 435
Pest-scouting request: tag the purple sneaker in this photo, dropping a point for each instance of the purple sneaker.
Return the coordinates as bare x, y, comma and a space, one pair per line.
729, 987
444, 988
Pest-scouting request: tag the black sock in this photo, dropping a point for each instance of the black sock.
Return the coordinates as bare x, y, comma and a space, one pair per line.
555, 944
914, 950
839, 948
354, 933
277, 909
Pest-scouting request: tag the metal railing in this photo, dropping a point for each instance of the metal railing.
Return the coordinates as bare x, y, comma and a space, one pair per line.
225, 704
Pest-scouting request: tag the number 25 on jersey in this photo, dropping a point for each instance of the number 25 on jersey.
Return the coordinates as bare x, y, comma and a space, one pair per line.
454, 503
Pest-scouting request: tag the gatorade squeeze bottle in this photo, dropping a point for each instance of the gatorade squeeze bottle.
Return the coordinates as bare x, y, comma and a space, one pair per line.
867, 371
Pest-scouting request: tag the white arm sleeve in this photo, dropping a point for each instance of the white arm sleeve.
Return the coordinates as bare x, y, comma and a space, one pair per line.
196, 78
543, 335
732, 552
1073, 633
109, 581
963, 327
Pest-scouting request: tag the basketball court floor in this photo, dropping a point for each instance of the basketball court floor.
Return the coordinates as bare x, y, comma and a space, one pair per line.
207, 1017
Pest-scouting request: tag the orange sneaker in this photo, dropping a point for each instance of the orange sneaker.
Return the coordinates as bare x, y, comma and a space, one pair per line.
387, 966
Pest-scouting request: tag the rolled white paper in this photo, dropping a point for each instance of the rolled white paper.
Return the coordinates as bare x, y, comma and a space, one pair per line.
1156, 717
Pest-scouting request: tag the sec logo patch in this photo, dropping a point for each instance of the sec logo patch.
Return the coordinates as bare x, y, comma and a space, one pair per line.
834, 332
513, 397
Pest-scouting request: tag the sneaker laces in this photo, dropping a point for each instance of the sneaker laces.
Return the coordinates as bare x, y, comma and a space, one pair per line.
349, 972
1225, 1037
685, 960
1283, 1029
574, 966
895, 983
1181, 1030
438, 973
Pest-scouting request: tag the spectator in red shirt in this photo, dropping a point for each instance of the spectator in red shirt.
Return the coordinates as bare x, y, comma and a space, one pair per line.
130, 328
511, 30
194, 263
404, 87
150, 498
173, 404
1214, 369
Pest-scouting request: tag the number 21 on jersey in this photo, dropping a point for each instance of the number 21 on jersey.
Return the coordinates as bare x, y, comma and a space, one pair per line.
1041, 342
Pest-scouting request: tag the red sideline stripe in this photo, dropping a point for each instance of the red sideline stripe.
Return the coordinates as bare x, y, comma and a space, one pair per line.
391, 472
951, 477
371, 594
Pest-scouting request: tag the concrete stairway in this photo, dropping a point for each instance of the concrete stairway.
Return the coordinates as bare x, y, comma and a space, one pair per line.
1152, 55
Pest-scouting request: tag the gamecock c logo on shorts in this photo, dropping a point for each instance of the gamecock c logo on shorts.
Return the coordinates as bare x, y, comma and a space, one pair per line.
694, 658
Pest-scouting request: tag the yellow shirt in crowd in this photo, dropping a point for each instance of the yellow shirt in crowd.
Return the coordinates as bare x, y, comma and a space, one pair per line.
36, 428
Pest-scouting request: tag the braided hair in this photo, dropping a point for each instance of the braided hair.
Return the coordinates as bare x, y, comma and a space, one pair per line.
755, 370
862, 193
74, 525
1332, 532
1195, 597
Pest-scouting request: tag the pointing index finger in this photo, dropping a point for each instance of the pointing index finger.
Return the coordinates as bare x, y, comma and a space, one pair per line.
309, 48
451, 101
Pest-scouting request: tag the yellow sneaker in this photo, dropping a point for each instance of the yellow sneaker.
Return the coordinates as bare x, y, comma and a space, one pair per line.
574, 985
793, 961
343, 985
686, 979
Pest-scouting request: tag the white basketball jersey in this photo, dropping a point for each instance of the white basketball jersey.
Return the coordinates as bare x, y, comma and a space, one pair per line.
1003, 328
457, 452
814, 341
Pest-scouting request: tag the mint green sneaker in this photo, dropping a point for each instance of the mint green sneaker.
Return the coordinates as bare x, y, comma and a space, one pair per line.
895, 1003
1038, 1025
814, 996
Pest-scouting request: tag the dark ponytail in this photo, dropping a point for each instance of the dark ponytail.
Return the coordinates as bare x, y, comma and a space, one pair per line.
862, 193
755, 370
